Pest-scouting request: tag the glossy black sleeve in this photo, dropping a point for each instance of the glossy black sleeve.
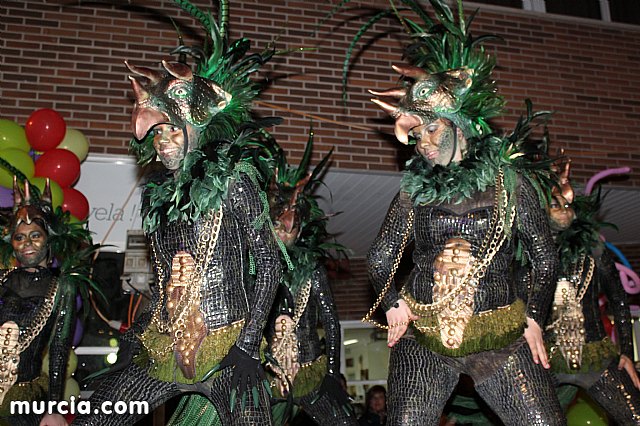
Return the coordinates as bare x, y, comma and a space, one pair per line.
610, 284
321, 291
61, 341
250, 212
534, 232
387, 247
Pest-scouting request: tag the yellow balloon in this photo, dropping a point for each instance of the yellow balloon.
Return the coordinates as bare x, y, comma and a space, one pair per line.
75, 142
18, 159
45, 363
57, 195
72, 363
12, 135
71, 388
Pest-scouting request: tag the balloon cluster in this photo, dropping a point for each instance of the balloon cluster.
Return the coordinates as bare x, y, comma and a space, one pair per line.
45, 148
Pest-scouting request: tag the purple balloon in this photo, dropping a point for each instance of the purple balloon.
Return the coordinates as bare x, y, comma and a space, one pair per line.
78, 333
6, 197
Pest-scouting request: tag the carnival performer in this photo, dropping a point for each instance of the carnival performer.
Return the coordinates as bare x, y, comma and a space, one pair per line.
581, 354
38, 302
465, 199
302, 369
302, 374
208, 227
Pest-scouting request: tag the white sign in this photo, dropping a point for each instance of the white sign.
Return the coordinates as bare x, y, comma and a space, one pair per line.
111, 184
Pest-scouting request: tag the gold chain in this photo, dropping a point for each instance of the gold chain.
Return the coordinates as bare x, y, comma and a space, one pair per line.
490, 246
492, 243
31, 331
40, 320
583, 290
394, 268
207, 241
587, 279
284, 342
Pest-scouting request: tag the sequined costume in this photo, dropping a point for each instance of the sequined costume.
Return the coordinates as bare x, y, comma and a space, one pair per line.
581, 353
302, 369
23, 296
466, 199
211, 241
225, 301
414, 397
314, 364
38, 302
600, 377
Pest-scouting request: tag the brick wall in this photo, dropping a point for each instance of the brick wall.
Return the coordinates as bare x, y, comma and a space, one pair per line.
69, 56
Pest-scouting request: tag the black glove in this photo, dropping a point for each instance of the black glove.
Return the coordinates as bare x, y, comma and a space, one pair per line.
331, 387
247, 376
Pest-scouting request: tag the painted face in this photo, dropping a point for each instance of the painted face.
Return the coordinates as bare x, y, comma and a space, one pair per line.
29, 243
168, 141
560, 213
435, 142
287, 225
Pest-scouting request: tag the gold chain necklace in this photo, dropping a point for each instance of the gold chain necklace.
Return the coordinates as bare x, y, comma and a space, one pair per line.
490, 246
31, 330
288, 340
207, 241
568, 323
13, 342
285, 347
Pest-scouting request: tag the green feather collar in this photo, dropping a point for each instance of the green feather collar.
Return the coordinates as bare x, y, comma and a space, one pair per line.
583, 236
200, 186
457, 181
305, 262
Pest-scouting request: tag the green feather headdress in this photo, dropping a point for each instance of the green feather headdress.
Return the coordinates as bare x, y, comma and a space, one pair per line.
296, 186
451, 69
583, 236
217, 102
224, 62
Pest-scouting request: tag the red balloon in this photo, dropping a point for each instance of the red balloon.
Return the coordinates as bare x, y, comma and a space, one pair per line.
45, 129
59, 165
75, 203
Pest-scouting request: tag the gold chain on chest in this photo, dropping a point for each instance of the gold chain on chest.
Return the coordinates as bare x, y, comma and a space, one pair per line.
568, 323
490, 246
14, 338
288, 339
30, 331
206, 244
